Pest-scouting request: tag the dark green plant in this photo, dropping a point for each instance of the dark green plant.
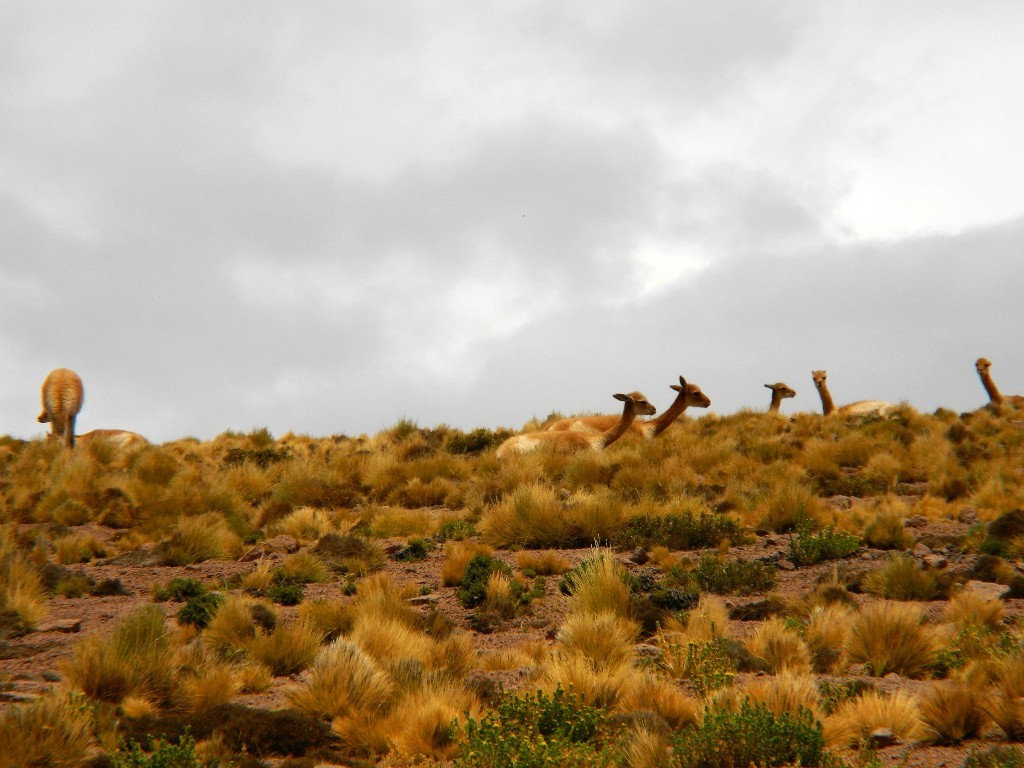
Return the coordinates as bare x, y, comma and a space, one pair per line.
833, 694
200, 609
537, 731
751, 735
678, 531
808, 547
477, 441
161, 754
414, 549
731, 577
75, 585
708, 666
995, 757
284, 594
456, 530
474, 583
179, 589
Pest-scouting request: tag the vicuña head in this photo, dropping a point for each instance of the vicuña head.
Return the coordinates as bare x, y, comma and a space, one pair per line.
859, 408
688, 395
995, 397
62, 400
634, 403
779, 393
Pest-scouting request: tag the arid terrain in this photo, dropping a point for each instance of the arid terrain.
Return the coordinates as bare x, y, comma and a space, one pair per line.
355, 601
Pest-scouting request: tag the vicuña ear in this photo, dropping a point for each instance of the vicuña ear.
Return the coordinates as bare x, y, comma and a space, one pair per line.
682, 382
676, 387
769, 386
621, 397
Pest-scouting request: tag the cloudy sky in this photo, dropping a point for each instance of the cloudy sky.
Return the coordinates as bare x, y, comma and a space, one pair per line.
323, 217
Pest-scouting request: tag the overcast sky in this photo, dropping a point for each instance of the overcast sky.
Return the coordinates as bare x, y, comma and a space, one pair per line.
323, 217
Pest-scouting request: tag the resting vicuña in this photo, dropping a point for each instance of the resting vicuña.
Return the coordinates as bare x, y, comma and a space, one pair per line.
859, 408
62, 400
689, 394
635, 403
121, 438
995, 397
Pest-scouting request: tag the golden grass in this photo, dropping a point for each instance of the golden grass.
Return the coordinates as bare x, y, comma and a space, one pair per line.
21, 589
600, 585
530, 516
211, 684
199, 538
782, 649
787, 692
290, 648
389, 639
969, 609
305, 524
825, 635
457, 555
379, 595
231, 629
951, 713
425, 723
305, 567
606, 639
542, 563
855, 719
342, 678
708, 621
259, 578
663, 697
599, 686
55, 730
892, 637
77, 548
330, 617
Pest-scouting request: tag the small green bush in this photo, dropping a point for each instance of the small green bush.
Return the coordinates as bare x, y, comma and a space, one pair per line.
456, 530
536, 731
414, 549
995, 757
752, 735
179, 589
474, 583
162, 754
731, 577
477, 441
678, 531
199, 610
808, 547
284, 594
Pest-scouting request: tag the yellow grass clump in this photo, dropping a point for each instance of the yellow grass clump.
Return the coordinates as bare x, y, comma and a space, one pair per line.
55, 730
457, 555
545, 563
855, 719
605, 638
892, 637
951, 713
600, 585
781, 648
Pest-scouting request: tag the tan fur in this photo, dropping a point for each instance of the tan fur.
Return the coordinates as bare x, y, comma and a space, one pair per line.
577, 441
779, 393
995, 397
121, 438
688, 395
62, 400
859, 408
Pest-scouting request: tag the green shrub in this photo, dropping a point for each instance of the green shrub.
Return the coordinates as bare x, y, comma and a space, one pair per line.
477, 441
810, 548
199, 609
536, 731
708, 666
474, 583
456, 530
902, 579
678, 531
732, 577
995, 757
414, 549
752, 735
179, 589
284, 594
162, 754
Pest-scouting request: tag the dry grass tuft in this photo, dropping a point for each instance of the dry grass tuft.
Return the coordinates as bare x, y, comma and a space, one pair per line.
1006, 706
457, 555
709, 621
199, 538
665, 698
289, 649
305, 524
787, 692
969, 609
825, 634
781, 648
542, 563
425, 723
135, 659
212, 684
232, 628
389, 640
530, 516
606, 639
342, 678
21, 589
600, 585
331, 618
952, 713
55, 730
598, 686
892, 637
858, 717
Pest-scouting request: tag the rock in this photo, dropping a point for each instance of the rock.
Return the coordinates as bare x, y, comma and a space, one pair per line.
917, 521
68, 626
639, 556
648, 652
51, 677
968, 515
839, 502
920, 550
987, 589
423, 600
892, 677
785, 565
935, 561
868, 555
281, 545
881, 738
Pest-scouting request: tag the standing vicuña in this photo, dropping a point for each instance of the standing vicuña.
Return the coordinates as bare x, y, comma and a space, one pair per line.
689, 394
575, 441
62, 400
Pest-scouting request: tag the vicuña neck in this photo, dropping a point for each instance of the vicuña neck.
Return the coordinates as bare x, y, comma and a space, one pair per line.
990, 387
776, 401
613, 434
827, 406
670, 414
